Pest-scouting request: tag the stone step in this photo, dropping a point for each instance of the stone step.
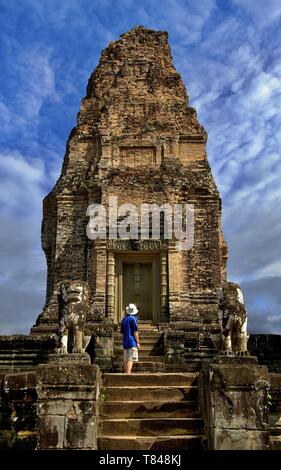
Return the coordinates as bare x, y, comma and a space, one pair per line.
152, 366
143, 334
151, 426
274, 420
165, 443
18, 361
187, 367
145, 342
16, 367
22, 351
157, 380
140, 366
275, 443
152, 328
31, 356
149, 340
150, 393
144, 358
159, 409
199, 354
275, 431
145, 350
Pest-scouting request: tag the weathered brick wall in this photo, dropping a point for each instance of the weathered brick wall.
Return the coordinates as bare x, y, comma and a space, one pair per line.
189, 151
71, 241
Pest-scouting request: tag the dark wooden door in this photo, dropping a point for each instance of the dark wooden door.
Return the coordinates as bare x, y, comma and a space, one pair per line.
138, 288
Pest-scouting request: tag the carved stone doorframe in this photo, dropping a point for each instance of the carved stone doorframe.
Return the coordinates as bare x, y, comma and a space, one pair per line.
115, 282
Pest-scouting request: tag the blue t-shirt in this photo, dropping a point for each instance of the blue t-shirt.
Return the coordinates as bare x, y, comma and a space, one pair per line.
128, 327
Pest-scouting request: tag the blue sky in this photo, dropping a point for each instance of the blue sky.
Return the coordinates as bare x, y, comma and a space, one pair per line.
228, 53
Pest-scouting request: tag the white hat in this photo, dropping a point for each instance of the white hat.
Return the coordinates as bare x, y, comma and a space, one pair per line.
131, 309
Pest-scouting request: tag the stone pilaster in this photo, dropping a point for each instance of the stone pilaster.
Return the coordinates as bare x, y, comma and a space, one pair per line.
163, 287
110, 285
175, 280
99, 298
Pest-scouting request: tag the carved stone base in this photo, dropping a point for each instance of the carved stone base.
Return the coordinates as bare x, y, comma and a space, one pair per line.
234, 404
66, 405
83, 358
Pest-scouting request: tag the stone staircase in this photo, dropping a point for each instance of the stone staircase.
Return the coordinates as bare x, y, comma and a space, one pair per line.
150, 411
24, 352
151, 354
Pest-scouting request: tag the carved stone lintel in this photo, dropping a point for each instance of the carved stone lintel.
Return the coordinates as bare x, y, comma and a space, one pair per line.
136, 245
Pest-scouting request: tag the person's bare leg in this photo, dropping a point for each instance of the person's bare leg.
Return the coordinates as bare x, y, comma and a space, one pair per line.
128, 367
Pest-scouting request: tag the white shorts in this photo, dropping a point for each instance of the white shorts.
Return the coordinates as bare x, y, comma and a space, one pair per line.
131, 354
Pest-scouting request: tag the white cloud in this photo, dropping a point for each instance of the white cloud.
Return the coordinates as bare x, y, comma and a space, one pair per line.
37, 80
22, 181
22, 268
261, 12
33, 84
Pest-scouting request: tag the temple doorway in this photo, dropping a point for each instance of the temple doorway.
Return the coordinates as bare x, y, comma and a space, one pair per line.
137, 281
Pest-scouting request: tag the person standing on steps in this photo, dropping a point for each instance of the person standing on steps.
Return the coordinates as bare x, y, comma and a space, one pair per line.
131, 344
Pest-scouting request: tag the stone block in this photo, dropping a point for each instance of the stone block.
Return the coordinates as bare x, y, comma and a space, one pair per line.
65, 406
105, 342
104, 352
233, 401
63, 374
69, 358
19, 381
105, 363
51, 432
240, 439
80, 431
67, 395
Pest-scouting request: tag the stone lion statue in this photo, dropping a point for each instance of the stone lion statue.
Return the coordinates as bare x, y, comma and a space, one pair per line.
233, 321
73, 336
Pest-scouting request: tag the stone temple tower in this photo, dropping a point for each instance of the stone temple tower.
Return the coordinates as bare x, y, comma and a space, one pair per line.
137, 139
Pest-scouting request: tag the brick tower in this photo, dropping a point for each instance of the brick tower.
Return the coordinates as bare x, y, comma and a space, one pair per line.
136, 139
